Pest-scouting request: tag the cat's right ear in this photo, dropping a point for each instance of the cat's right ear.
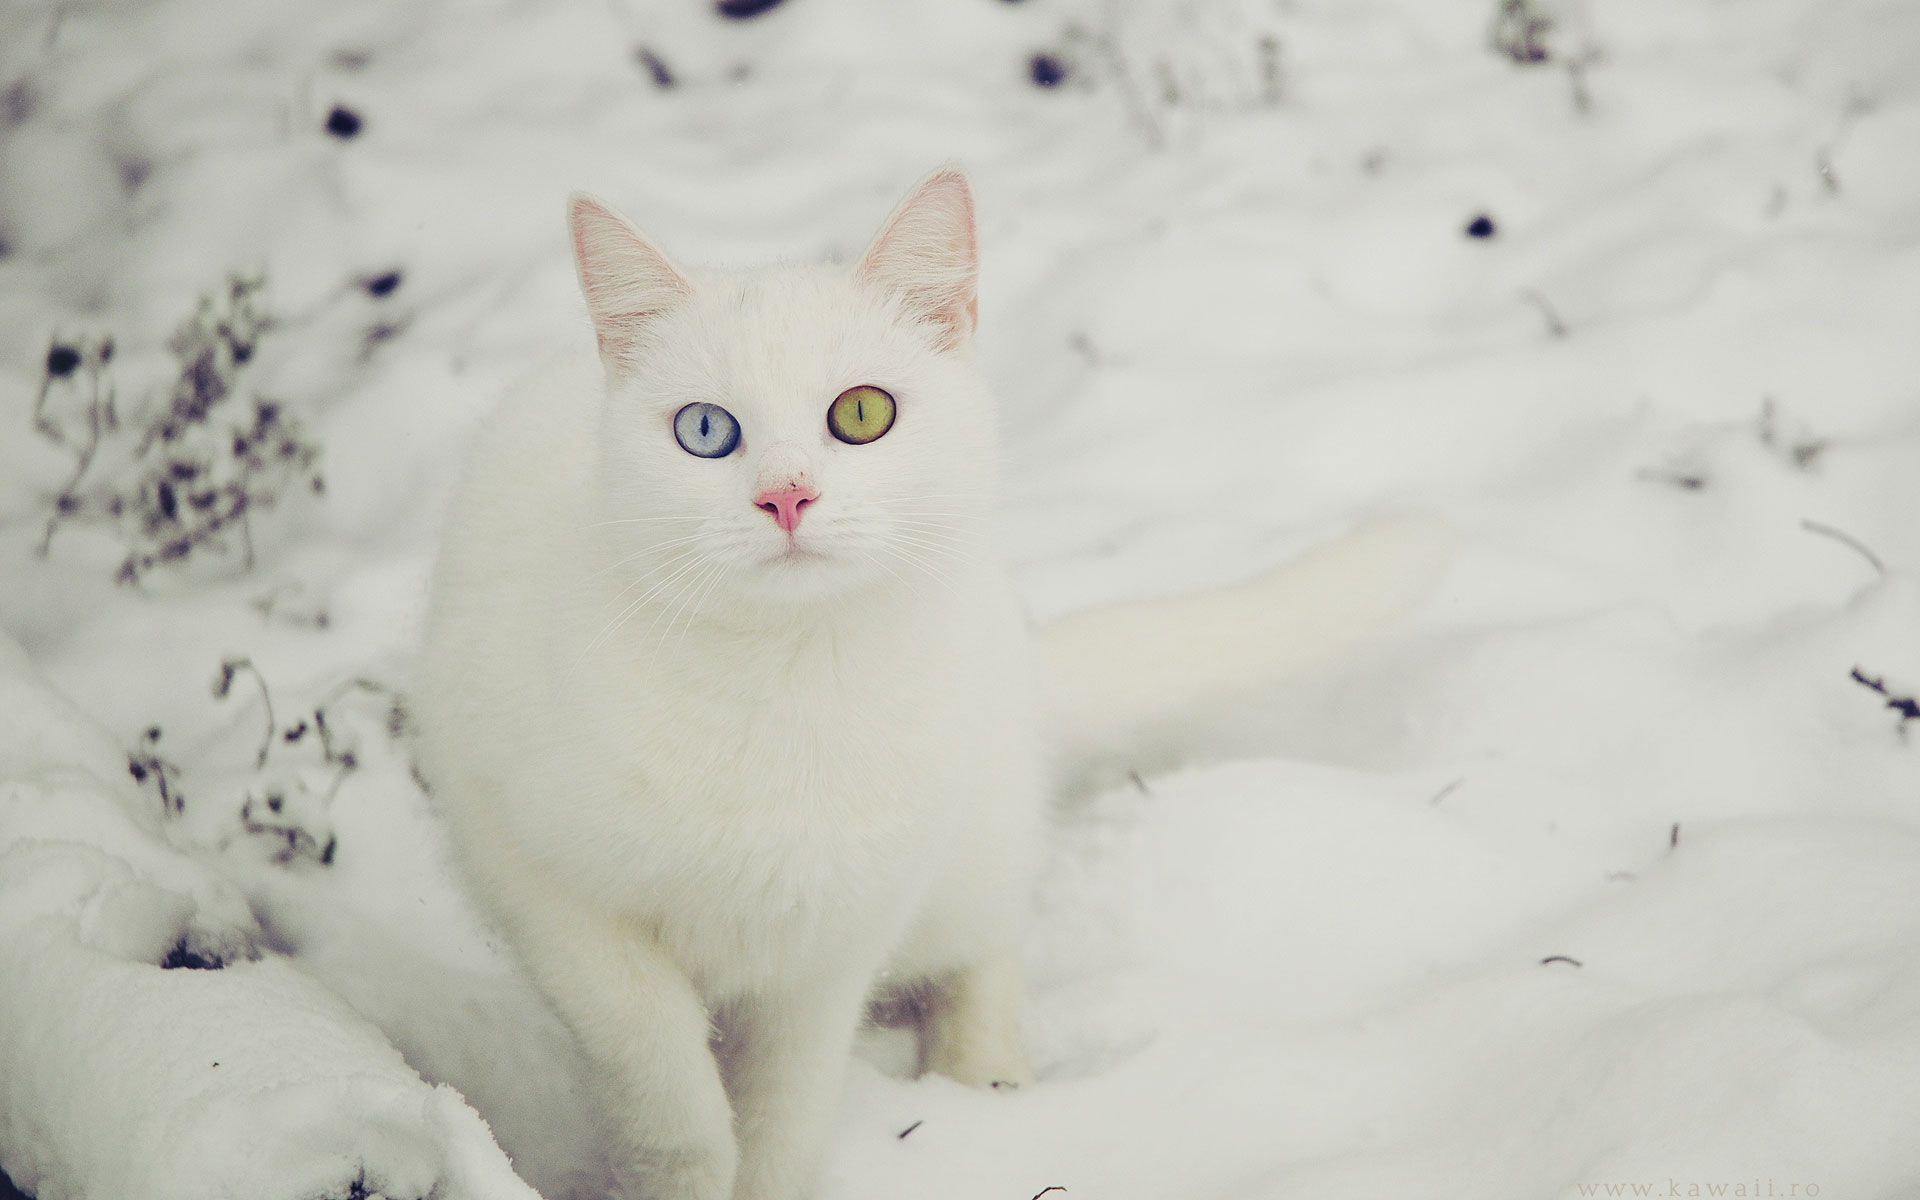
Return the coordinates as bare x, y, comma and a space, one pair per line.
626, 280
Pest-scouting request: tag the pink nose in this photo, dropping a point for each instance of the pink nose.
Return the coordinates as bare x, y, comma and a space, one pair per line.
785, 503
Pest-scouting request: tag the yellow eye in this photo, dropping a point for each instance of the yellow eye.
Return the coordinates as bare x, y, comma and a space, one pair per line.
861, 415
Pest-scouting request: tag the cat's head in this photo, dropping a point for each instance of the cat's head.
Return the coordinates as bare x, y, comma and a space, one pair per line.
793, 433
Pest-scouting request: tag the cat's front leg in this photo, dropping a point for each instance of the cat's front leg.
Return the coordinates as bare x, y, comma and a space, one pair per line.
785, 1058
642, 1027
972, 1024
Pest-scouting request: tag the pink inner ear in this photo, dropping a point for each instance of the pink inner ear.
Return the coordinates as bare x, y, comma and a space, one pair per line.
926, 255
626, 280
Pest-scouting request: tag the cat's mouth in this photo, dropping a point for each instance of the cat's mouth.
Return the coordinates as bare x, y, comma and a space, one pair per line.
795, 553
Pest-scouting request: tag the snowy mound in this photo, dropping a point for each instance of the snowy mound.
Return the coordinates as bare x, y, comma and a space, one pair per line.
146, 1048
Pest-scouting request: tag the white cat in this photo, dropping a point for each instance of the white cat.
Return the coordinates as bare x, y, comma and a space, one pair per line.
734, 715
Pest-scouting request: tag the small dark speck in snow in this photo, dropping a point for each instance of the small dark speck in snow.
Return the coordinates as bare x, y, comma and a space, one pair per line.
741, 10
655, 66
1047, 71
343, 122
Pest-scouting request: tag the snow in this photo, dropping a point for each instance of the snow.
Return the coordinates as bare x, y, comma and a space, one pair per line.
1667, 403
127, 1073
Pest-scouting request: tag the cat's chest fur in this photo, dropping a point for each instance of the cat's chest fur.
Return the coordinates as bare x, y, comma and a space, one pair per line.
786, 801
758, 797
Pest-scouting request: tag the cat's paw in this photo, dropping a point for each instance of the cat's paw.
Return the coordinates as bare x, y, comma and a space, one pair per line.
977, 1055
1003, 1068
972, 1030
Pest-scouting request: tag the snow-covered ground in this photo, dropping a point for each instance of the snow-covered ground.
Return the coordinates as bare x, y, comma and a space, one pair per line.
1605, 875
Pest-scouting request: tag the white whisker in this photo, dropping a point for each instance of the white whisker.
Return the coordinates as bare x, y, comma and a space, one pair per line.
643, 580
884, 567
628, 612
909, 560
693, 611
951, 549
651, 549
637, 521
686, 595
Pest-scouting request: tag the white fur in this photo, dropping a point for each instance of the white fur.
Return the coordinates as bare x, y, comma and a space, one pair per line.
1125, 684
711, 792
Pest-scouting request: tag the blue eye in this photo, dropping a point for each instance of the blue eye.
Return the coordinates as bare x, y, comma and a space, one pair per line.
706, 430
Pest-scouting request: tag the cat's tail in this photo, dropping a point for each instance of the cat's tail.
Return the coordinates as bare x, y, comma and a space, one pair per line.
1134, 685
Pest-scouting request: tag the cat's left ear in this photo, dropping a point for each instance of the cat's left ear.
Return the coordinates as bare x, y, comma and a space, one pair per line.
626, 279
927, 255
